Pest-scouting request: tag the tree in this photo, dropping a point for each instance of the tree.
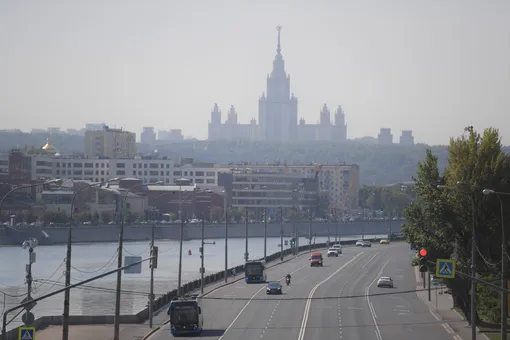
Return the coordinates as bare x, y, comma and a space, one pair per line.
441, 220
217, 213
106, 216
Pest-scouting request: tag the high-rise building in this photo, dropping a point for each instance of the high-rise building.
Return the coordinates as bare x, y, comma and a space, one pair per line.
407, 138
278, 111
385, 137
278, 115
110, 143
148, 136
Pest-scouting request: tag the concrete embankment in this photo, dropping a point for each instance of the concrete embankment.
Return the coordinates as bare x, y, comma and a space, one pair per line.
162, 301
110, 233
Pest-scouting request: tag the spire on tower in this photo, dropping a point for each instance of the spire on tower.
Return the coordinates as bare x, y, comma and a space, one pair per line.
278, 48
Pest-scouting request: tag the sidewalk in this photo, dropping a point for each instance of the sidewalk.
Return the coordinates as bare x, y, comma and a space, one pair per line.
441, 307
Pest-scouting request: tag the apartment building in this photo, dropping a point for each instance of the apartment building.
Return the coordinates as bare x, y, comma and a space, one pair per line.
149, 170
339, 181
260, 190
110, 143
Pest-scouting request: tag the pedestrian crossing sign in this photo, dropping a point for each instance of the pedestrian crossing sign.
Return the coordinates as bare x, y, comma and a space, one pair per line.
26, 333
445, 268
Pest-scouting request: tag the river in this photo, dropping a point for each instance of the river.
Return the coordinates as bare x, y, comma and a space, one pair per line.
88, 260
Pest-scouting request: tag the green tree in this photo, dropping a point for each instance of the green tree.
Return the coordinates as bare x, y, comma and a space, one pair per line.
441, 220
106, 216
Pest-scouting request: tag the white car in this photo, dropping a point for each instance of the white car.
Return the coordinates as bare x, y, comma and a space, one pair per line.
385, 281
338, 248
333, 252
359, 243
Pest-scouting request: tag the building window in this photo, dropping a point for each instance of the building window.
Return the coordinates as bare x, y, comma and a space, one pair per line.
199, 174
121, 173
153, 166
210, 174
210, 181
121, 165
89, 165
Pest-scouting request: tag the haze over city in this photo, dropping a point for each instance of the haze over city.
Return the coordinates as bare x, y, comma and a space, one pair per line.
424, 67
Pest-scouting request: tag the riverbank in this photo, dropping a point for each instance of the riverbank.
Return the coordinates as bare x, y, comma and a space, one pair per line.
110, 233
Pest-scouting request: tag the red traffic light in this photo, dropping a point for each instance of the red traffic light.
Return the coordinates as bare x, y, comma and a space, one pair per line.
423, 252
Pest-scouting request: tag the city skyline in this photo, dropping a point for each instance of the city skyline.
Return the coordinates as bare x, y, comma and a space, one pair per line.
387, 68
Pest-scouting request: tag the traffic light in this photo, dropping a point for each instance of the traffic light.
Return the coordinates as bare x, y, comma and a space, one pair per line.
423, 261
154, 257
293, 241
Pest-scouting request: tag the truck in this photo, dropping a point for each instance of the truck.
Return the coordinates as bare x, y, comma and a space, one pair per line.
316, 259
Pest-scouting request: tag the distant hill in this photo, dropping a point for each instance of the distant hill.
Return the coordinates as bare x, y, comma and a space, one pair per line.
379, 165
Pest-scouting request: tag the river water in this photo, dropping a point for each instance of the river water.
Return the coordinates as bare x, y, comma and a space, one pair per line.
88, 260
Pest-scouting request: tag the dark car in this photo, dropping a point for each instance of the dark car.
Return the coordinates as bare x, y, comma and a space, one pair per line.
366, 244
274, 288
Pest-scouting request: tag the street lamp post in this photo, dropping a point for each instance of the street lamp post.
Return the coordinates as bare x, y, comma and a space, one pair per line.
67, 292
473, 260
116, 318
281, 234
504, 301
226, 237
310, 232
202, 255
151, 293
265, 234
246, 254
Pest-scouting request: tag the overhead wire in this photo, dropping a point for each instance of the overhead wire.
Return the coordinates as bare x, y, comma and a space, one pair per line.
105, 266
143, 252
103, 289
227, 298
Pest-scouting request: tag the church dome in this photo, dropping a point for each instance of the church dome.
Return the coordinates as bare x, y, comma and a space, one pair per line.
48, 148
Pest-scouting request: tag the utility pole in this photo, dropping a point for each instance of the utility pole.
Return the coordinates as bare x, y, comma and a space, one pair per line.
28, 317
181, 235
246, 254
202, 255
152, 262
310, 232
430, 288
265, 234
473, 271
281, 234
202, 269
294, 230
337, 222
116, 318
226, 245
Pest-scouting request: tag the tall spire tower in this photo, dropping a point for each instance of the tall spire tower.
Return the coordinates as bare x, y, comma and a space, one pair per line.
278, 110
278, 48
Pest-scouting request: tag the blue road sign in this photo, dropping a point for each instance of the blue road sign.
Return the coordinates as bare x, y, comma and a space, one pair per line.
445, 268
26, 333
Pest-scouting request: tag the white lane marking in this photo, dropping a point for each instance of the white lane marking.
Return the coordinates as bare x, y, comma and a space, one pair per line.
251, 299
370, 306
309, 300
446, 326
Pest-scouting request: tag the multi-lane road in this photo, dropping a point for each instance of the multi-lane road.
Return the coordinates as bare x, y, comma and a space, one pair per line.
338, 301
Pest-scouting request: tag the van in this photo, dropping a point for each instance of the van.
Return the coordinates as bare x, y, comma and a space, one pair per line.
316, 259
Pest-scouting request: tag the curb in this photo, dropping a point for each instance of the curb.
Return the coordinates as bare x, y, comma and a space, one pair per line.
152, 331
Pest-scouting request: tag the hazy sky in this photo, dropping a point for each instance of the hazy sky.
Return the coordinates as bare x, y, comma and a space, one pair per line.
430, 66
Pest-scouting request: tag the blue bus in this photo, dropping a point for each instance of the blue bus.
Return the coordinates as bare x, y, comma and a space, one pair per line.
255, 272
186, 315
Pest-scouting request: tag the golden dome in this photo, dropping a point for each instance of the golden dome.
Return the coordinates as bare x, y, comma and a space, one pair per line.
48, 148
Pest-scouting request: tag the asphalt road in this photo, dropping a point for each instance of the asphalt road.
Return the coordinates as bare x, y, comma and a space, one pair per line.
342, 306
